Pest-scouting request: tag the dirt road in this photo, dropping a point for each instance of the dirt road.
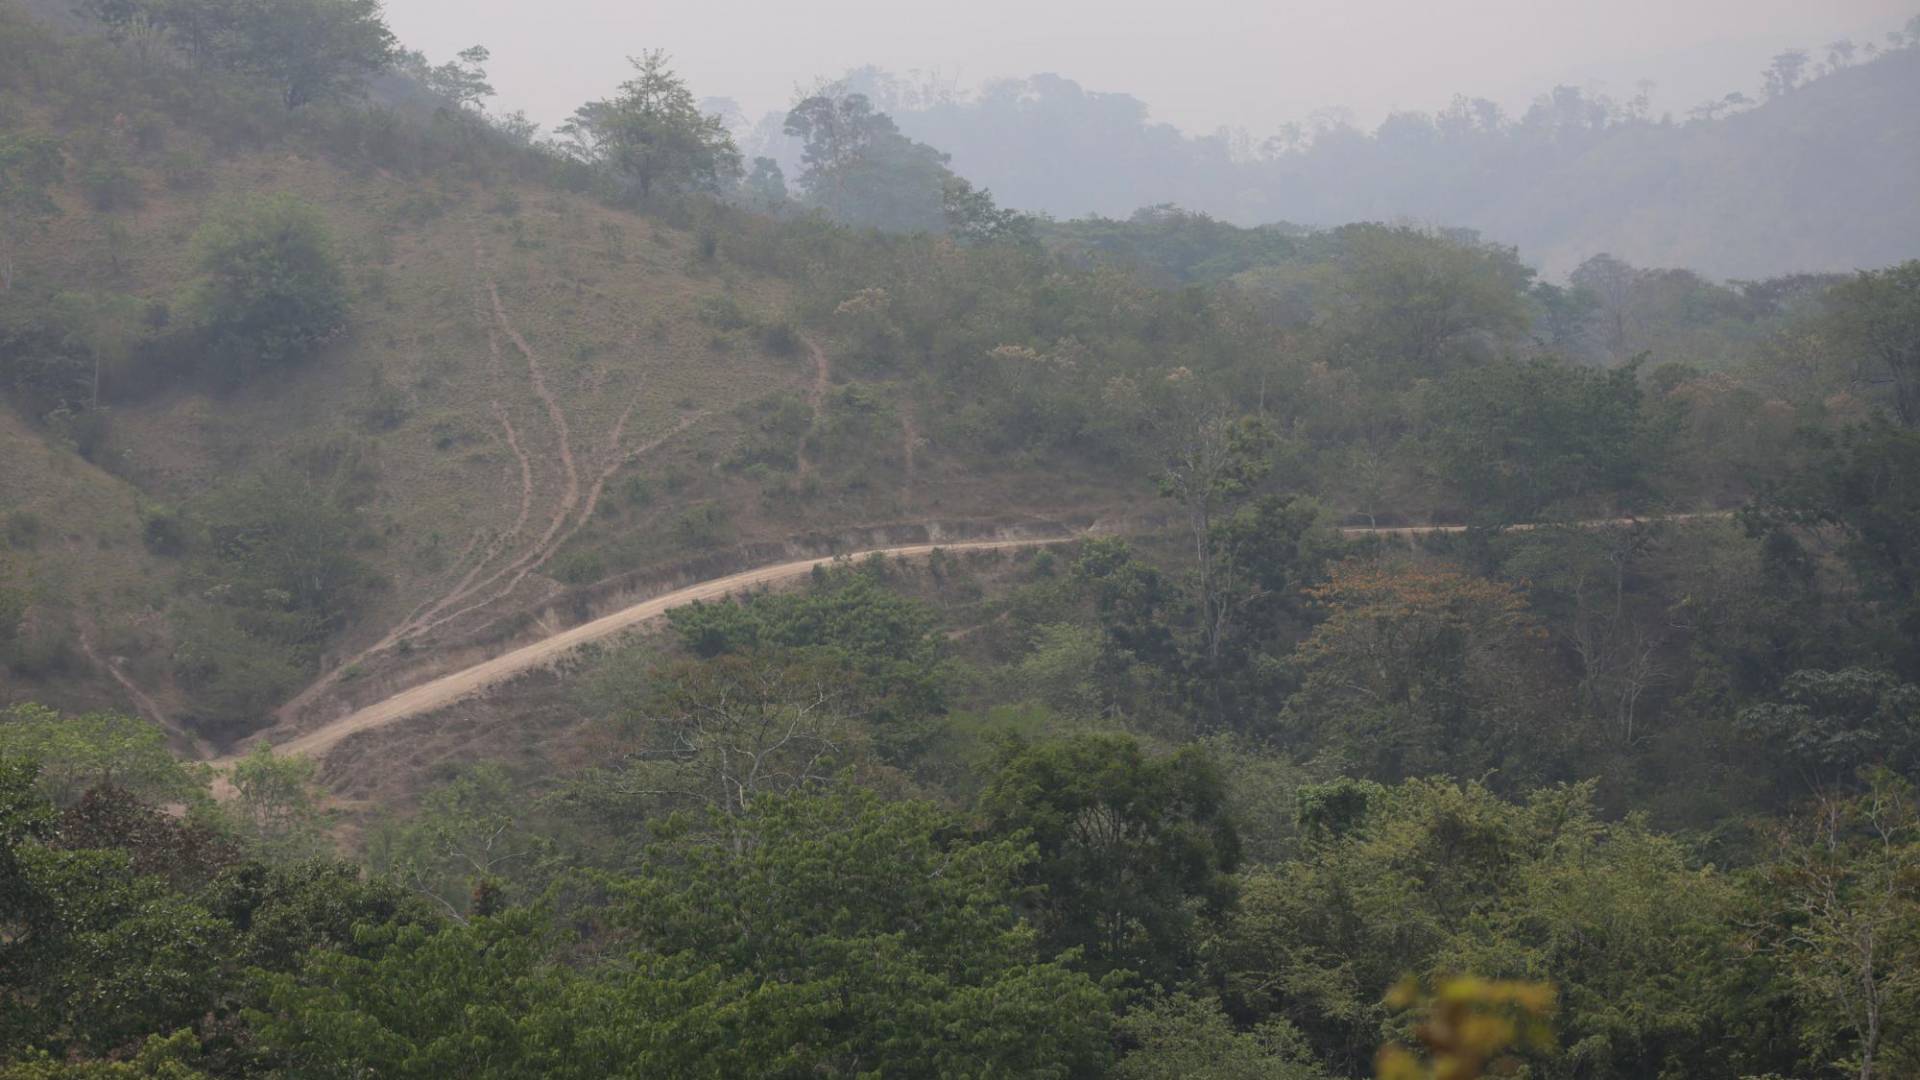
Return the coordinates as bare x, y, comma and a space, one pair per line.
450, 688
1532, 526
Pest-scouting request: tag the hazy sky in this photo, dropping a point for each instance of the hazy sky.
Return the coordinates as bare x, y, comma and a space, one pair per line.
1198, 63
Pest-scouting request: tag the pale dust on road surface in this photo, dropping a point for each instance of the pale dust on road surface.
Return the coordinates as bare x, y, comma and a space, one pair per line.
450, 688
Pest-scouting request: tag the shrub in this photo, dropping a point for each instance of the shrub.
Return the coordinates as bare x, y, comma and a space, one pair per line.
23, 530
13, 607
108, 184
781, 339
722, 313
271, 291
163, 531
702, 526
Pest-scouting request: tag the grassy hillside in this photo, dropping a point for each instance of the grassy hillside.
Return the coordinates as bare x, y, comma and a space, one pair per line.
535, 392
648, 395
72, 535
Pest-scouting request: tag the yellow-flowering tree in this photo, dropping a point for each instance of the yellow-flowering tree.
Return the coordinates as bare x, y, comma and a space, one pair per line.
1473, 1027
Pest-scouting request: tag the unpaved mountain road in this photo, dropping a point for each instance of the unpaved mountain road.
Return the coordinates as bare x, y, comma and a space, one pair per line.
451, 688
1535, 526
448, 689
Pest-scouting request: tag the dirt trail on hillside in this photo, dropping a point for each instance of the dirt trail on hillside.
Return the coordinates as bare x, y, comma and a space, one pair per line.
143, 702
550, 545
571, 510
538, 375
569, 495
451, 688
498, 324
433, 605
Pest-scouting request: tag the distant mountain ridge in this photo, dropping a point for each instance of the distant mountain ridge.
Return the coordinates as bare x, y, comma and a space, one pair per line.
1821, 177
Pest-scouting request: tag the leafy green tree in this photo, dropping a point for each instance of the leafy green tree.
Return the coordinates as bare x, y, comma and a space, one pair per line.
1431, 877
849, 937
29, 166
1564, 315
1843, 891
861, 170
651, 137
1875, 316
235, 672
973, 217
1641, 944
26, 817
462, 80
470, 847
1783, 76
158, 1059
1830, 725
1138, 608
13, 605
1409, 303
168, 1058
846, 609
765, 186
271, 290
91, 954
884, 643
282, 541
1184, 1037
277, 557
722, 733
1613, 286
423, 1001
1422, 668
285, 911
1214, 463
1590, 588
894, 939
1134, 850
1265, 552
1385, 873
1515, 439
96, 749
1865, 483
198, 27
186, 851
46, 360
311, 50
1061, 669
109, 330
276, 805
1180, 245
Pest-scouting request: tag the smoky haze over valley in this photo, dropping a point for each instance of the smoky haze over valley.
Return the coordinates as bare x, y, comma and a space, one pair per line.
1214, 63
1565, 129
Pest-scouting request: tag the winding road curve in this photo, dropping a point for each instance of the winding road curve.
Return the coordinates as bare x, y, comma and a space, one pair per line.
450, 688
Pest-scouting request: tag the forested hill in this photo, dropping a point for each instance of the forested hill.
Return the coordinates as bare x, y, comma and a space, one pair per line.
1819, 177
322, 383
